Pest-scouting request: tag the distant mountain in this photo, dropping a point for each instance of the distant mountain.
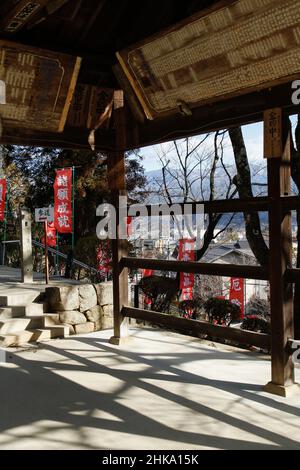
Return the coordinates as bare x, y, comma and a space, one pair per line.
259, 180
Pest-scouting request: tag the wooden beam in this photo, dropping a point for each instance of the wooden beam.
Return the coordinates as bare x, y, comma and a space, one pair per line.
70, 138
88, 27
225, 206
205, 119
293, 275
117, 185
222, 115
212, 269
131, 98
196, 328
281, 292
20, 14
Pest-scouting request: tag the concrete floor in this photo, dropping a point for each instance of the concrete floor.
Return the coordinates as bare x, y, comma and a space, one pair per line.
10, 278
160, 391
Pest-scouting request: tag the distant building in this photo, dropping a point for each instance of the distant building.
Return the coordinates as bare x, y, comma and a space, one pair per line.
238, 253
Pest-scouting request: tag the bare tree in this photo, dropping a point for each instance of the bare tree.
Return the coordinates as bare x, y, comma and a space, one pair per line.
190, 170
244, 187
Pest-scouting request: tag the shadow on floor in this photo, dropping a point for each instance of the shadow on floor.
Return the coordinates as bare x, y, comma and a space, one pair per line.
42, 390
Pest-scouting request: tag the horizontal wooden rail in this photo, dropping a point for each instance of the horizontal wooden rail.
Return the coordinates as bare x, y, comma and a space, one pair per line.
195, 327
213, 269
225, 206
293, 275
290, 202
228, 206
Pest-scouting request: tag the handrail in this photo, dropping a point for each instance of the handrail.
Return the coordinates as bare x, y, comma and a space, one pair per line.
58, 253
63, 255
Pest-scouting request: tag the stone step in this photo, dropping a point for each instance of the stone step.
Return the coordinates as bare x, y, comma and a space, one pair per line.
59, 331
16, 339
29, 322
28, 310
37, 335
18, 311
14, 325
18, 298
44, 321
6, 313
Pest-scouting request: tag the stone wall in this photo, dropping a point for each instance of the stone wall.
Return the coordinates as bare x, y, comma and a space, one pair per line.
84, 308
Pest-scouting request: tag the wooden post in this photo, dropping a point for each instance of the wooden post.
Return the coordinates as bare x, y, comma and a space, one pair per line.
26, 246
277, 150
117, 185
46, 253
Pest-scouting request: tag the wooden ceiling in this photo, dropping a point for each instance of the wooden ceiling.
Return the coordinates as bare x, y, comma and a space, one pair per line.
95, 30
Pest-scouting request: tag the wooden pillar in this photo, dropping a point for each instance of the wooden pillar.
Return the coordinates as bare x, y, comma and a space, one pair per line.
277, 150
117, 185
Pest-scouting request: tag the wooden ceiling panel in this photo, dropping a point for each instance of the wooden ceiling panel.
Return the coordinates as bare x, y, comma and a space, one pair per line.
215, 55
39, 86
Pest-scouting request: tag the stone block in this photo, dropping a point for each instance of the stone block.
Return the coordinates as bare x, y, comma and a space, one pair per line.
104, 293
95, 315
62, 298
84, 328
72, 317
108, 310
87, 297
107, 320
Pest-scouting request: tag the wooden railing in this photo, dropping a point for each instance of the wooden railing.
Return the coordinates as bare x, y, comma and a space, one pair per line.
279, 272
212, 269
194, 327
198, 328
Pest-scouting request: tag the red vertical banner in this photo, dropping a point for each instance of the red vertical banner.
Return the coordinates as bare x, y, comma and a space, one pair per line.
187, 280
236, 295
2, 198
63, 201
51, 235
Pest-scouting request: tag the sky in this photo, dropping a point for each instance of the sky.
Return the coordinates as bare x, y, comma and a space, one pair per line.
253, 135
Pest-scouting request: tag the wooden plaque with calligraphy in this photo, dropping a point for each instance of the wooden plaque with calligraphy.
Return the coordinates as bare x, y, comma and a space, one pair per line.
88, 104
15, 14
273, 133
39, 86
243, 46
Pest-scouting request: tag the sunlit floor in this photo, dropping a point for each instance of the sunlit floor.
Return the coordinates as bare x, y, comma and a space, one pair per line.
160, 391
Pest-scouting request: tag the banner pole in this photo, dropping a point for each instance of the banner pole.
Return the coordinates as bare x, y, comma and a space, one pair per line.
73, 208
46, 253
56, 257
5, 222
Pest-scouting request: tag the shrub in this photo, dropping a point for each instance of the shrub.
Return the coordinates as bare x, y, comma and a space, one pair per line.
257, 316
192, 309
160, 290
257, 306
256, 323
221, 312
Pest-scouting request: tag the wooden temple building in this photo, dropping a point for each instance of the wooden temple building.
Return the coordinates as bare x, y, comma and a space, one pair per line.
123, 74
